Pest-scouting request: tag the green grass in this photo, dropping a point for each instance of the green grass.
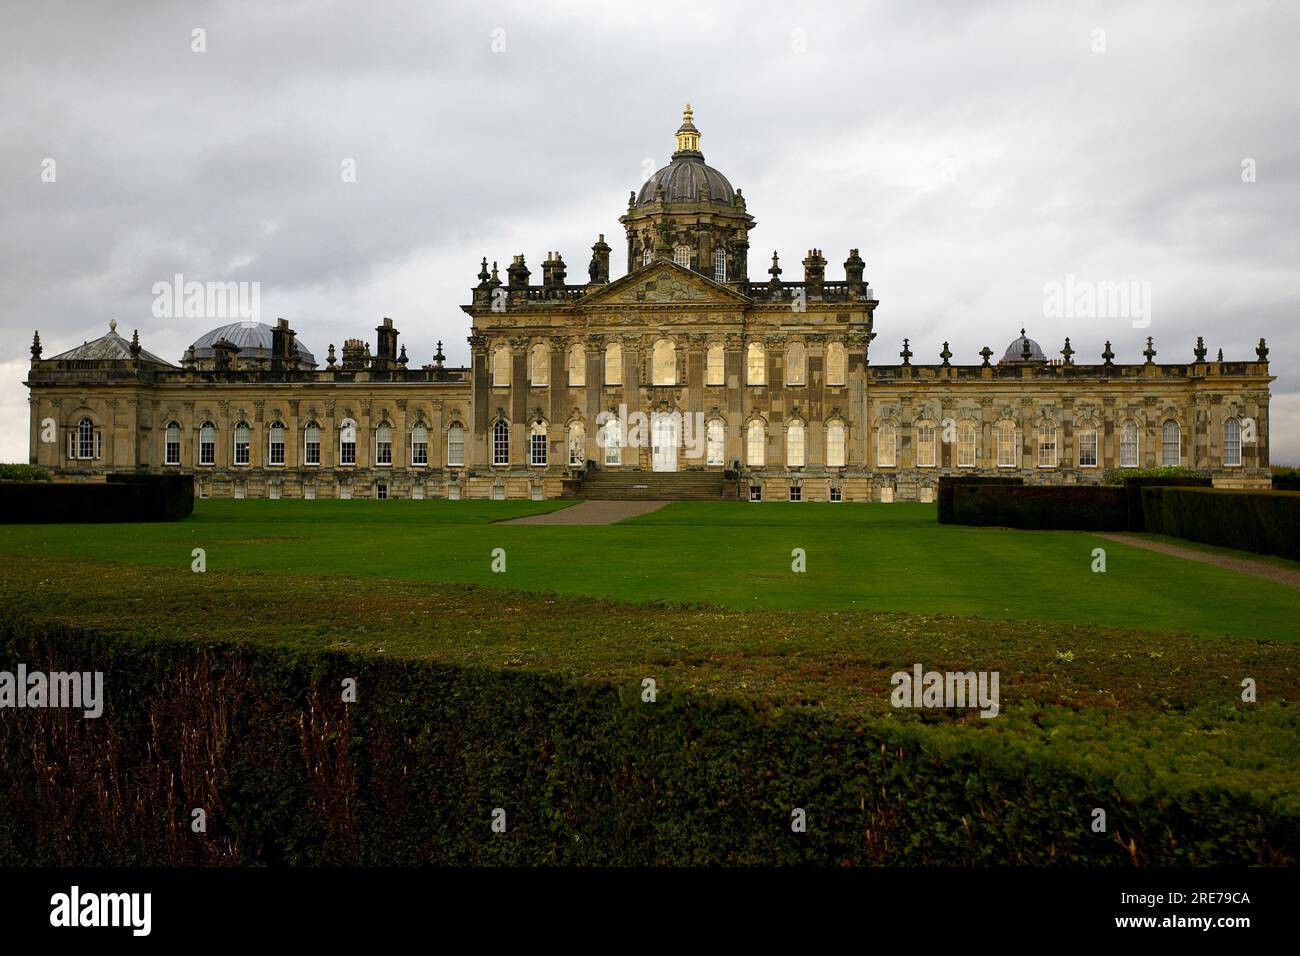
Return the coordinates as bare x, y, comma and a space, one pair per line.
733, 555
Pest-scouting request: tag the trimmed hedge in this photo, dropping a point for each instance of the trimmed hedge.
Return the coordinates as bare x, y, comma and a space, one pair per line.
948, 482
1286, 479
586, 773
1042, 507
15, 472
1133, 485
1121, 476
1267, 522
121, 498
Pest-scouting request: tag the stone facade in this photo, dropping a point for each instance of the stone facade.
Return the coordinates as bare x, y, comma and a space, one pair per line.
684, 363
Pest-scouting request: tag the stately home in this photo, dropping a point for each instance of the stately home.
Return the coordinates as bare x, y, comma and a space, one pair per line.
684, 375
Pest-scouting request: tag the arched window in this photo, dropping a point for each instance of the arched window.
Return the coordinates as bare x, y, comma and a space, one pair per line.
794, 445
311, 444
1232, 443
1088, 445
172, 444
664, 363
455, 445
577, 365
925, 445
647, 256
837, 364
755, 444
1171, 442
500, 366
384, 444
539, 365
207, 444
348, 442
1008, 444
275, 444
756, 364
419, 444
242, 433
537, 444
577, 444
1047, 445
84, 441
613, 364
682, 255
966, 444
796, 364
1128, 445
835, 445
612, 441
715, 443
715, 372
719, 265
886, 445
500, 443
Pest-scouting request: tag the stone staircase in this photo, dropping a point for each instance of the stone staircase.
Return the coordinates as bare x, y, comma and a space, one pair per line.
655, 486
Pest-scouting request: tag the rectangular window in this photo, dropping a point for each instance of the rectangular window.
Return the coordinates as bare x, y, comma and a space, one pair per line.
1128, 446
887, 495
381, 490
277, 446
419, 450
239, 489
925, 446
207, 446
309, 492
347, 453
966, 445
1088, 448
1008, 445
1047, 448
174, 451
345, 492
273, 492
537, 449
796, 493
456, 446
241, 444
715, 366
755, 492
837, 494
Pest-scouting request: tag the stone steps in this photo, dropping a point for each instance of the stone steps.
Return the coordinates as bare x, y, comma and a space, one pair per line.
652, 486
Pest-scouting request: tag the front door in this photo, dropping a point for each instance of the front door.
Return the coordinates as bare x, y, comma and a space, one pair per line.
664, 441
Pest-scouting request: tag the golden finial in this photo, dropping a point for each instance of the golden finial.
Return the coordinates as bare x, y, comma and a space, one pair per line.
688, 137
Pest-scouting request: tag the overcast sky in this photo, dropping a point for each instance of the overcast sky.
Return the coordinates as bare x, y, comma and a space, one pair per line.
973, 152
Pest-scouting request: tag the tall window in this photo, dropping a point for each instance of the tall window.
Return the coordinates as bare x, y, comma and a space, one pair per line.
755, 450
1171, 442
719, 265
663, 369
715, 366
241, 443
966, 444
1232, 443
1046, 446
86, 440
500, 443
925, 446
613, 441
501, 366
577, 365
207, 444
539, 365
348, 442
456, 445
311, 444
715, 442
647, 256
1128, 445
275, 444
1008, 445
172, 444
577, 444
419, 445
756, 364
537, 444
682, 255
384, 444
835, 445
1088, 446
837, 364
613, 364
794, 445
886, 445
796, 364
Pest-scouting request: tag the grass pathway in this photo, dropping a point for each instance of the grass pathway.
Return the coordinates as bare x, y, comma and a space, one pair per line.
1259, 569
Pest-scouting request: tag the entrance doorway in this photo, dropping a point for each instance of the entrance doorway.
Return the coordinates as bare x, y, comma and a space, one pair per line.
665, 434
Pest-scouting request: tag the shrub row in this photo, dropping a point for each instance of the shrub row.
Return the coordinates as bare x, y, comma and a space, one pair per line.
1267, 522
120, 498
1286, 479
1042, 507
948, 482
16, 472
411, 773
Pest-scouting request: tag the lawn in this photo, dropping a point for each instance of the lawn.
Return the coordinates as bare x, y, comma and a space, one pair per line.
734, 555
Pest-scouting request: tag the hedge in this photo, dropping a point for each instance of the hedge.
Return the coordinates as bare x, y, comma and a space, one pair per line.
948, 482
1121, 476
1133, 485
1267, 522
1042, 507
587, 773
1286, 479
16, 472
125, 497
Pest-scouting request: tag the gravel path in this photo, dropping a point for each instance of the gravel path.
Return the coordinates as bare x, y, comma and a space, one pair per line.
592, 512
1260, 569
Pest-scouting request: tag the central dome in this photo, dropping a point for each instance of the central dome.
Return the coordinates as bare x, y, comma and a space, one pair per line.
683, 179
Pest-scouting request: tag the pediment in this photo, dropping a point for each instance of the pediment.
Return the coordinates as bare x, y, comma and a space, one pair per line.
664, 283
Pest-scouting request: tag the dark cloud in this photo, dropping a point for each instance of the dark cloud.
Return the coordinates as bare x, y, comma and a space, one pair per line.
973, 152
